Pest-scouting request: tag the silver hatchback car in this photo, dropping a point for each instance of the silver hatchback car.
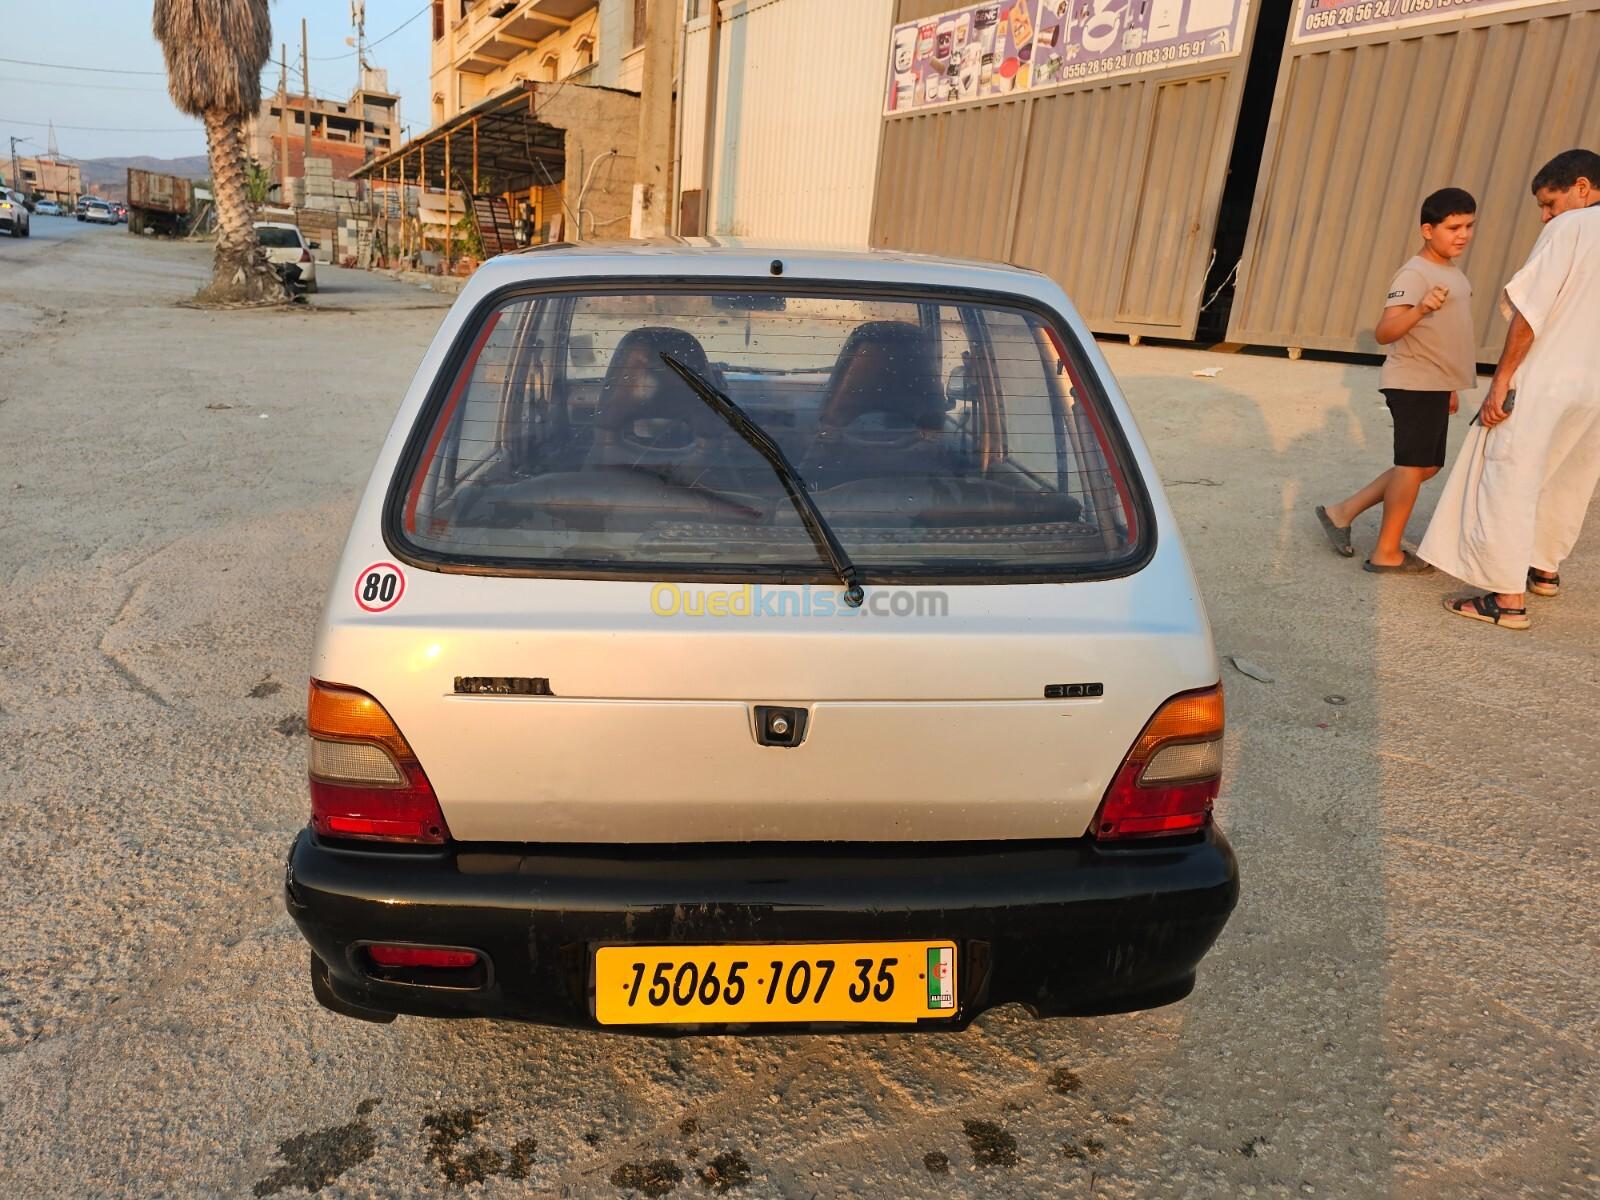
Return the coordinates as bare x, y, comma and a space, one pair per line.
737, 640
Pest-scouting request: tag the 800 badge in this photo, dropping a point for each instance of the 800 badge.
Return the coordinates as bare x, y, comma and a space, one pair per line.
380, 586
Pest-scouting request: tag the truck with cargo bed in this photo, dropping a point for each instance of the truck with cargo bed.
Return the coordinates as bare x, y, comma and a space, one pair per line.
159, 203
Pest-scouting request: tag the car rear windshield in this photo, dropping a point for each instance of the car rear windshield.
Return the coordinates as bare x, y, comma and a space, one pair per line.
278, 239
940, 437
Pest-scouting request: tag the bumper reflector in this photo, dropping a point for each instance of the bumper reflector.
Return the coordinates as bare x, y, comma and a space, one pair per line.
422, 956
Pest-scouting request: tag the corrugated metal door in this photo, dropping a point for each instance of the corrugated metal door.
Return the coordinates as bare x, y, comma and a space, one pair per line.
1363, 129
942, 178
1112, 188
1167, 257
797, 142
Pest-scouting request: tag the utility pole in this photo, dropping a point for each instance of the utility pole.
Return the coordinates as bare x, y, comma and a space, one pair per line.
305, 78
16, 165
652, 190
284, 198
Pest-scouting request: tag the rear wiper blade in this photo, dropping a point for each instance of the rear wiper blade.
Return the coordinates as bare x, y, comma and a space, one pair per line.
816, 524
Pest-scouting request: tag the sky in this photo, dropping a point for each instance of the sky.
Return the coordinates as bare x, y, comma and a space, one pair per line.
121, 108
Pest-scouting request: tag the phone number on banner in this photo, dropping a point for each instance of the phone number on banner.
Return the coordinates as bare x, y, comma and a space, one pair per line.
1156, 56
1372, 11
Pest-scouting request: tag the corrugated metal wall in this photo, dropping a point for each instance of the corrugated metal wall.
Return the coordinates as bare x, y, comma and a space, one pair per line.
692, 108
1111, 188
798, 92
1363, 129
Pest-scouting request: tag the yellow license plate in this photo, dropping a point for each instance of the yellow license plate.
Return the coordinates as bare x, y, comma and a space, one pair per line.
878, 982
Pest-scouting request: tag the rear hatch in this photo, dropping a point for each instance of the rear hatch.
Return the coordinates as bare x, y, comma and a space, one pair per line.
599, 584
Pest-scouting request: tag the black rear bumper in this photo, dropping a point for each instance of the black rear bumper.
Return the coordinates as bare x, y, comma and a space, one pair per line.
1062, 927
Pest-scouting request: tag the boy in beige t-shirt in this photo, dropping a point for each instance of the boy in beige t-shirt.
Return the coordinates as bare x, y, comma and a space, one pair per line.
1427, 325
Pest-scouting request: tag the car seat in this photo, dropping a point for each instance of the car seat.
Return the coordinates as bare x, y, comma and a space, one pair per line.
646, 415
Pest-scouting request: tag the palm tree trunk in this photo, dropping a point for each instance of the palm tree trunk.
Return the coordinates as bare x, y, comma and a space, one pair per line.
240, 272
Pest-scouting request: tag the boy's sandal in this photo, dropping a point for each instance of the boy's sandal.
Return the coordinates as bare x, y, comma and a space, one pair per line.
1542, 584
1338, 535
1409, 564
1487, 608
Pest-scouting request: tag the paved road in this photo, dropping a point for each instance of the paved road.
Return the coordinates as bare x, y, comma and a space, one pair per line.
1405, 1003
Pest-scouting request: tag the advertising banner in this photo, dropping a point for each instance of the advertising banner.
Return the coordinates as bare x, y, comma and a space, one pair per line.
1096, 39
969, 53
1003, 46
1321, 19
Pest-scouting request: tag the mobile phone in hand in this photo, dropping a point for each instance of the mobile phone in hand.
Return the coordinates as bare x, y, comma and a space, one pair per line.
1511, 402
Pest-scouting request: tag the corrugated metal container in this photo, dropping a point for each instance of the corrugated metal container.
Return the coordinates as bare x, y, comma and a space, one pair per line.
155, 192
1364, 128
1111, 187
797, 140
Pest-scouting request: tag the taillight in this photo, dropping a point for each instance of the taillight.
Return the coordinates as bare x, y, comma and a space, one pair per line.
1170, 779
365, 781
305, 254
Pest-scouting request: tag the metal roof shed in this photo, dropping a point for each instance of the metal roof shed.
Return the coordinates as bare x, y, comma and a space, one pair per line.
533, 135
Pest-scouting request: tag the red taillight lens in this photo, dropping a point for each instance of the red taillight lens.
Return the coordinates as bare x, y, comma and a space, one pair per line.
422, 956
365, 780
1170, 779
305, 255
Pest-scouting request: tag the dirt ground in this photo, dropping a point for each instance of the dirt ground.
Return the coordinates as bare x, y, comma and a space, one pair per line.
1405, 1002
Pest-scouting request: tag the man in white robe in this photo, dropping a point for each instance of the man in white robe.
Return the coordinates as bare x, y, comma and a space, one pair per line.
1519, 490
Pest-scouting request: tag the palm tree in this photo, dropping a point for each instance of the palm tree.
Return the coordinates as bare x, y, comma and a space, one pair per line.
215, 50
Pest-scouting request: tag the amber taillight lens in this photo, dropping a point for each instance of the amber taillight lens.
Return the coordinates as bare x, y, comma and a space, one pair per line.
365, 781
1169, 781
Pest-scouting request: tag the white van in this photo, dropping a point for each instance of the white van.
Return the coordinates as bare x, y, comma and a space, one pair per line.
738, 640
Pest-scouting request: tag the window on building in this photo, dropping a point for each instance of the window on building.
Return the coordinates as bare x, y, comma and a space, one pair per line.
639, 21
585, 54
438, 19
550, 67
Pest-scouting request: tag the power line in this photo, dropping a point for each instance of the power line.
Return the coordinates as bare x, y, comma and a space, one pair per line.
73, 83
23, 62
26, 62
98, 128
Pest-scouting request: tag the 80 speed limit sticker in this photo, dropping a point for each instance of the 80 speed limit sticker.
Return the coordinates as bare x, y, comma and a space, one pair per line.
380, 586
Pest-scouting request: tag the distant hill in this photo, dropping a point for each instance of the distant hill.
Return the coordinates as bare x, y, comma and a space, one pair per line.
108, 177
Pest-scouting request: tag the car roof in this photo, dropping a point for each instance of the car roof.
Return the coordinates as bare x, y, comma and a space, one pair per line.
730, 257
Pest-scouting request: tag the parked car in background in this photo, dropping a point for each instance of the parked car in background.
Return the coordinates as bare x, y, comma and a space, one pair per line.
122, 212
14, 213
48, 208
731, 640
97, 212
285, 243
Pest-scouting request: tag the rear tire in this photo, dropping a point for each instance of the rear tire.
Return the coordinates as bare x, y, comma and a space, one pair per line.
322, 989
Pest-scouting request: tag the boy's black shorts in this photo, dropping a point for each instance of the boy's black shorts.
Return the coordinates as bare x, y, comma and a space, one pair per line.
1421, 425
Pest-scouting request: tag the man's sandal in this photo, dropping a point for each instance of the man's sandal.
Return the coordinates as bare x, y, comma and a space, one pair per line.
1338, 535
1487, 608
1542, 583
